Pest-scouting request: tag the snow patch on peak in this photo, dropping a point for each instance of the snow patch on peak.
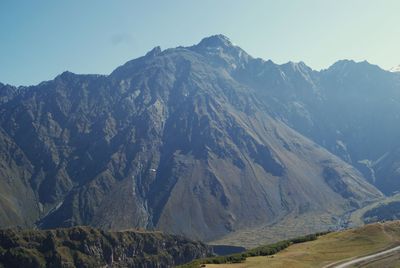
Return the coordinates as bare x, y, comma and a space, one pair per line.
395, 69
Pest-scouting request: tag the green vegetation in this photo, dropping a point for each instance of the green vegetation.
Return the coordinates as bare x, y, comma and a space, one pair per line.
266, 250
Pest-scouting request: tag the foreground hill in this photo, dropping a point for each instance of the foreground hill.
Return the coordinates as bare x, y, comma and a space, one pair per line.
333, 249
173, 140
89, 247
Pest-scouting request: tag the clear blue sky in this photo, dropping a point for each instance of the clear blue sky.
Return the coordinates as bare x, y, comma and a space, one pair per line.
42, 38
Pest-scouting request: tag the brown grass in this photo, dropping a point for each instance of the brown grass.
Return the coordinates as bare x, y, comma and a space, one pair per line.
329, 248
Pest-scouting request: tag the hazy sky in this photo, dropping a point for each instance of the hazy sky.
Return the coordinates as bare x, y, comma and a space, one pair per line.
40, 39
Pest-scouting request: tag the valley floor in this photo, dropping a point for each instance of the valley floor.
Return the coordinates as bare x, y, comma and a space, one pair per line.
289, 227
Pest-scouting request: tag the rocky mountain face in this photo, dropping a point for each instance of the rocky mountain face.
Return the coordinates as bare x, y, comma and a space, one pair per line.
89, 247
351, 109
199, 141
387, 169
8, 92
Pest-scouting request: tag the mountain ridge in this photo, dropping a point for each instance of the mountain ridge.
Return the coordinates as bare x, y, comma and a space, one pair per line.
169, 135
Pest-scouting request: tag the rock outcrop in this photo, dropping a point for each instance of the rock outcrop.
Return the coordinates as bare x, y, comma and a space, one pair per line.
89, 247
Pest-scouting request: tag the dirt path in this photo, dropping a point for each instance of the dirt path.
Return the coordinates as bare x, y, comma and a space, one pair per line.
371, 257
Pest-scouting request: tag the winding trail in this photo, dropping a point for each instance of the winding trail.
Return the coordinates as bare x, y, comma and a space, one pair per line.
371, 257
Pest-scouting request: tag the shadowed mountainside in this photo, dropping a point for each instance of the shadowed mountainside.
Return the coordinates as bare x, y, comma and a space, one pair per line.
180, 140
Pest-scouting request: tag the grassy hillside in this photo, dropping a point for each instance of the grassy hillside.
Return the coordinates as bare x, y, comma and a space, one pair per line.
330, 248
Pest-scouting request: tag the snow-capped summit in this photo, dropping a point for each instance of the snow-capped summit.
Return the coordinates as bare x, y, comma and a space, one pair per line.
395, 69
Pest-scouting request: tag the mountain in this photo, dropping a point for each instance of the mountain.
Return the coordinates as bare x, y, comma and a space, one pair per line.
200, 141
395, 69
351, 109
387, 168
89, 247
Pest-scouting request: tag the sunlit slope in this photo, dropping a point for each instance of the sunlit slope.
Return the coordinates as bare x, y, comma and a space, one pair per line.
330, 248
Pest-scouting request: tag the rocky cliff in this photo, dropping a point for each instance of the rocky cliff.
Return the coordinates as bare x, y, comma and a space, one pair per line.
89, 247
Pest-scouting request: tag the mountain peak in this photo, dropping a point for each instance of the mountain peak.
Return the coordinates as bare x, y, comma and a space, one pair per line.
218, 40
154, 52
221, 50
65, 75
351, 65
343, 63
297, 65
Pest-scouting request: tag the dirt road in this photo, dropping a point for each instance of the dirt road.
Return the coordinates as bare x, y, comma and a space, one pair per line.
368, 258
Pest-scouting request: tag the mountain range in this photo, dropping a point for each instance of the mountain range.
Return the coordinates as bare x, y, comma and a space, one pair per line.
201, 141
